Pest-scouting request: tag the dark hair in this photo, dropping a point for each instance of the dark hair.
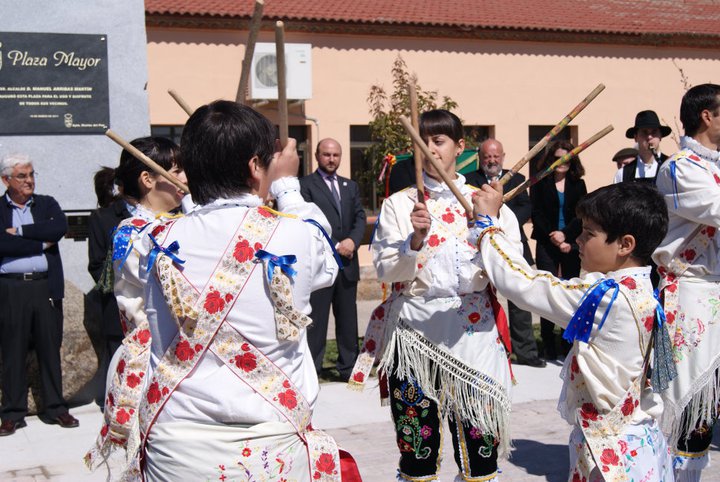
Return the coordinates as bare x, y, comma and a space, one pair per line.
697, 99
161, 150
104, 182
441, 121
576, 170
634, 208
218, 141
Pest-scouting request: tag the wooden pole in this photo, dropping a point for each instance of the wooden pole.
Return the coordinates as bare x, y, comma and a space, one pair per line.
241, 96
431, 159
181, 102
566, 158
146, 160
553, 132
282, 81
417, 156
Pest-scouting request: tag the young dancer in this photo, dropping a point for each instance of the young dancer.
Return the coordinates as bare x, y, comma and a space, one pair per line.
439, 344
609, 315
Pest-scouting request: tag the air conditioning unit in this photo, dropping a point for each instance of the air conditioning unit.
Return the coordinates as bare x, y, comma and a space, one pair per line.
298, 67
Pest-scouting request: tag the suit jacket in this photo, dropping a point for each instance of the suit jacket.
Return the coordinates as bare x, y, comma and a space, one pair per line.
546, 209
49, 226
520, 205
351, 225
628, 174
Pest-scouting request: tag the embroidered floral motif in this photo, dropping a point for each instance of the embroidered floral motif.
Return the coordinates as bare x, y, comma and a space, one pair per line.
413, 432
243, 251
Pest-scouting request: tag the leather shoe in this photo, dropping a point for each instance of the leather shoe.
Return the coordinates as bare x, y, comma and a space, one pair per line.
65, 420
8, 427
536, 362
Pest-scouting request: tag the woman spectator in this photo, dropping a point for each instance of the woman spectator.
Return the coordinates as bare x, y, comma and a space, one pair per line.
555, 227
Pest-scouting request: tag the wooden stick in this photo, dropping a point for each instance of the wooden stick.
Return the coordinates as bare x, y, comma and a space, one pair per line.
282, 82
431, 159
550, 135
181, 102
146, 160
412, 91
566, 158
241, 96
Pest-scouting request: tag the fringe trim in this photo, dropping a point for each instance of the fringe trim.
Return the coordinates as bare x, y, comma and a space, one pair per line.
476, 397
702, 402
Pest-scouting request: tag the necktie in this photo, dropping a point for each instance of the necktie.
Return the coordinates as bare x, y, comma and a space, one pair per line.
336, 195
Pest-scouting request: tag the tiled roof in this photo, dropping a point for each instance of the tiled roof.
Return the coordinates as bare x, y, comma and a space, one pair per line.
627, 17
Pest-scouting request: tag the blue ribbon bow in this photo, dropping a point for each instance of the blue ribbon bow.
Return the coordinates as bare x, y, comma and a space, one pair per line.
581, 323
274, 261
169, 251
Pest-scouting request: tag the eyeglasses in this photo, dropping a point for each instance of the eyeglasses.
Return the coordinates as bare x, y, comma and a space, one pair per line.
23, 177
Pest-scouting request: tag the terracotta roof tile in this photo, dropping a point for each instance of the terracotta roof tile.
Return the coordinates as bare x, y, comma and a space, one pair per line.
693, 17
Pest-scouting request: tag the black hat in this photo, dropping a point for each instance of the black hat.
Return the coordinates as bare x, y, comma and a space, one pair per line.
647, 118
625, 153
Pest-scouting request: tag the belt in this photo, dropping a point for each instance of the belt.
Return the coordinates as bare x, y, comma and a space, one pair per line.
25, 276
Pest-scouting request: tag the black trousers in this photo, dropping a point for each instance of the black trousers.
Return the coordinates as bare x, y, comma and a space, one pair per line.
521, 333
699, 440
27, 315
419, 432
567, 265
342, 295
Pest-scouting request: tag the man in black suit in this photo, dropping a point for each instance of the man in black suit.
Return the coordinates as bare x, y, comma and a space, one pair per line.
647, 133
492, 157
339, 199
31, 292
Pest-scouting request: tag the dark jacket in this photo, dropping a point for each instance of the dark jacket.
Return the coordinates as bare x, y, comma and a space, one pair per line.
49, 226
546, 206
628, 174
520, 205
315, 190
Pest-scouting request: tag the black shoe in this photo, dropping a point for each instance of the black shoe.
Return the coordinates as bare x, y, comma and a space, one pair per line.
8, 427
536, 362
65, 420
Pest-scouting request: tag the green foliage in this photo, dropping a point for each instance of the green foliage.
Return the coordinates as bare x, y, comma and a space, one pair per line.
386, 108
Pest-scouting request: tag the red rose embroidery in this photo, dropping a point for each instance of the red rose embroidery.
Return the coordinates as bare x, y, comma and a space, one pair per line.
286, 384
288, 399
158, 229
198, 347
153, 393
359, 377
243, 252
143, 336
588, 411
717, 179
649, 322
214, 302
671, 288
110, 400
574, 366
578, 478
370, 345
247, 362
474, 317
183, 351
711, 231
246, 452
628, 406
133, 380
689, 254
670, 317
629, 283
448, 218
138, 223
265, 213
121, 367
104, 430
325, 463
433, 240
122, 416
609, 457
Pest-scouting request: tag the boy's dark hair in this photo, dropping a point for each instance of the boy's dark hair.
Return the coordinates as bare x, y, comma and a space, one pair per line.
161, 150
440, 121
633, 208
697, 99
218, 141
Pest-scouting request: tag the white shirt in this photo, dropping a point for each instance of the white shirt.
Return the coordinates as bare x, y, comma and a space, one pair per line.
641, 171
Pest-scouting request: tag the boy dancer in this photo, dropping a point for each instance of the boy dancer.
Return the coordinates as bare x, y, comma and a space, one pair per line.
609, 315
688, 261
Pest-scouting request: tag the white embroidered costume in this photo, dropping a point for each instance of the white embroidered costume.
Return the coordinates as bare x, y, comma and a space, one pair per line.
439, 319
604, 395
688, 260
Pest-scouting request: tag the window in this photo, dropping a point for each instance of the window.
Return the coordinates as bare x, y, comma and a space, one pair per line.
536, 133
474, 135
170, 132
300, 134
361, 165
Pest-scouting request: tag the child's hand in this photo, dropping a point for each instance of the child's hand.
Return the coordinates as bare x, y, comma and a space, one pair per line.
488, 200
420, 220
